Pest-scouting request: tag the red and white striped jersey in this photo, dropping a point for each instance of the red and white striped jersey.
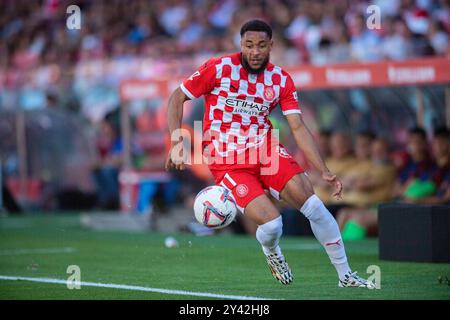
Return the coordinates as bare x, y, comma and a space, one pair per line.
238, 103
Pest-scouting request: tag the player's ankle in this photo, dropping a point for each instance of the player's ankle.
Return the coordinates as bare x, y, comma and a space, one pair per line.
275, 250
342, 269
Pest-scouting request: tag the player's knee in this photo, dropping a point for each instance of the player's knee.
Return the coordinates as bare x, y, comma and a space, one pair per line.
314, 209
270, 230
300, 189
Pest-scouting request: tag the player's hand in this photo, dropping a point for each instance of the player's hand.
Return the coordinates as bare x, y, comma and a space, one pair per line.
332, 180
175, 158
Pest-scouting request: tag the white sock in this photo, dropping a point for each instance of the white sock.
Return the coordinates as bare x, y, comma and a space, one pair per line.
326, 231
268, 234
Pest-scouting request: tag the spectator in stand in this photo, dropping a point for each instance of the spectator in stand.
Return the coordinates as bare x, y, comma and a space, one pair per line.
340, 161
375, 188
414, 179
106, 170
365, 44
441, 176
438, 38
323, 142
354, 179
397, 42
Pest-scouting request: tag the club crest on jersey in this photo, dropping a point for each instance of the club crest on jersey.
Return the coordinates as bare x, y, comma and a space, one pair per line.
269, 93
282, 152
242, 190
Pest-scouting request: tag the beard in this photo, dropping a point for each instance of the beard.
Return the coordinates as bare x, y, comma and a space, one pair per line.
252, 70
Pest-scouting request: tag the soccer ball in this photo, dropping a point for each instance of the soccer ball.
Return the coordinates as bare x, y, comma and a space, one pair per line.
214, 207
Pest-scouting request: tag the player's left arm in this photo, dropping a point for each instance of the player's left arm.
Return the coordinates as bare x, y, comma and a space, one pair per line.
306, 143
303, 137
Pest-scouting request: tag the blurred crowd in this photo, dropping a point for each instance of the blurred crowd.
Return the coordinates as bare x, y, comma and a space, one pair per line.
323, 31
372, 173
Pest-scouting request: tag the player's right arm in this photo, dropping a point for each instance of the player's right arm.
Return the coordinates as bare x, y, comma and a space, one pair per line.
199, 83
174, 117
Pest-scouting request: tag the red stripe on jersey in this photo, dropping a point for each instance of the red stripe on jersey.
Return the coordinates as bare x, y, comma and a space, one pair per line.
236, 118
218, 114
259, 100
243, 75
226, 71
223, 93
229, 109
276, 79
234, 87
251, 88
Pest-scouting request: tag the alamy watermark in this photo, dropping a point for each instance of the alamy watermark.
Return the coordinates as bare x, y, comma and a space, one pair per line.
73, 21
74, 279
373, 20
375, 275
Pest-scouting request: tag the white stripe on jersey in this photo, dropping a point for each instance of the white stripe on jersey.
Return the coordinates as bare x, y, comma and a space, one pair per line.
187, 92
291, 112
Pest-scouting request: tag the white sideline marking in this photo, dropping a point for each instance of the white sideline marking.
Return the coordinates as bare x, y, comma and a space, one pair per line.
135, 288
13, 252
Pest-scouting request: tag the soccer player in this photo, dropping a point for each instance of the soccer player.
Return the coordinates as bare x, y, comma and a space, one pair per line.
240, 91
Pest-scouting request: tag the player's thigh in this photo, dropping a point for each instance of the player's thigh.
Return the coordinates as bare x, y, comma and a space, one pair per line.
261, 210
248, 193
285, 179
297, 190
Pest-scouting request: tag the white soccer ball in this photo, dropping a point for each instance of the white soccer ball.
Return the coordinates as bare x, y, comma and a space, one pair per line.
214, 207
171, 242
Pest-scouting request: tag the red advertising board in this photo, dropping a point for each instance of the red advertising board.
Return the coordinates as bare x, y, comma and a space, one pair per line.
387, 73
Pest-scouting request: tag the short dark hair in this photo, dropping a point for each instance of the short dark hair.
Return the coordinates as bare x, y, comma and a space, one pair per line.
256, 25
419, 131
442, 132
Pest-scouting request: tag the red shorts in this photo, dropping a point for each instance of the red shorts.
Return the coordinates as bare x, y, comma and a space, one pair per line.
246, 182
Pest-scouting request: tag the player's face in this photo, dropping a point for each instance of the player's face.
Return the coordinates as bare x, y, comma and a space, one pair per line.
255, 48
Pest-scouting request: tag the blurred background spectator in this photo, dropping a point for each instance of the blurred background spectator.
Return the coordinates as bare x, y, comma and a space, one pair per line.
106, 170
423, 180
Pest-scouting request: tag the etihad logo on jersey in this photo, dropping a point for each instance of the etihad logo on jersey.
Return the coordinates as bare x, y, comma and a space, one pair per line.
246, 106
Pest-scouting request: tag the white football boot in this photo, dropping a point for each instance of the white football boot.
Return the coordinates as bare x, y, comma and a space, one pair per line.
279, 268
352, 279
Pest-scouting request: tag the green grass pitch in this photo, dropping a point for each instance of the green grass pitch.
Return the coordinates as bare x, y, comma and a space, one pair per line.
221, 264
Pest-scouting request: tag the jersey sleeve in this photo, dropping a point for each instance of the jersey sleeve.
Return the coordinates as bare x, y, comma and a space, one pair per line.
201, 81
288, 98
